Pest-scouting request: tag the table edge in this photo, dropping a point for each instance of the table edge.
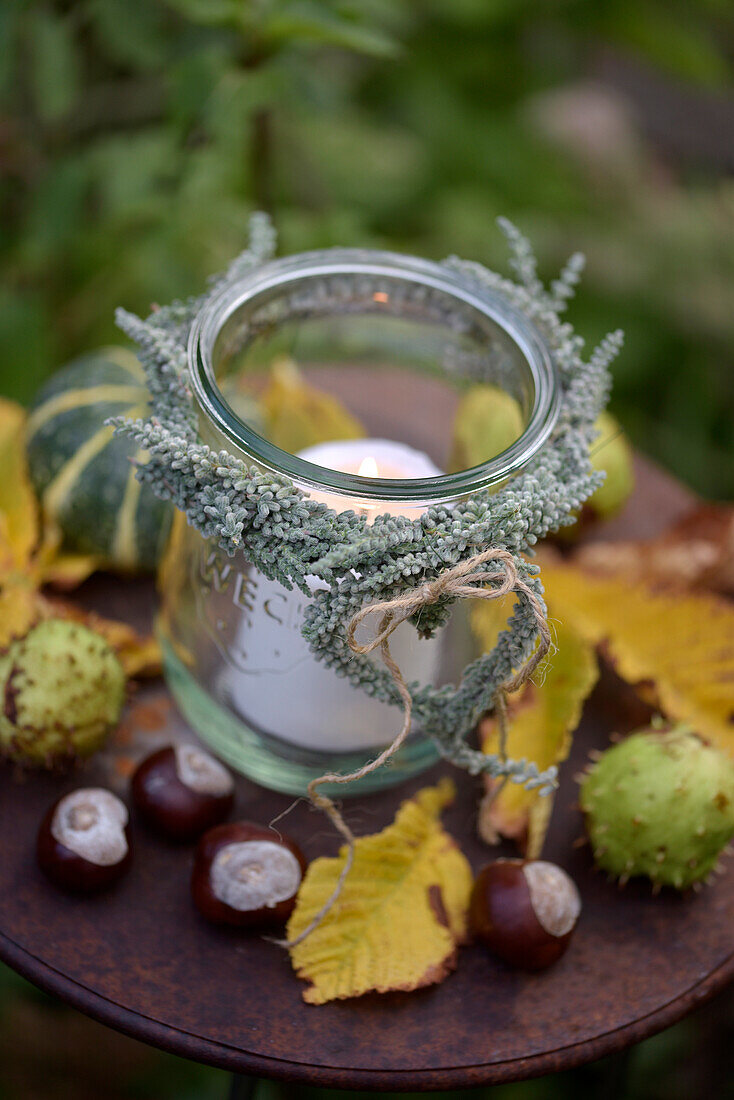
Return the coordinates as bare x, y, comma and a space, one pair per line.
234, 1059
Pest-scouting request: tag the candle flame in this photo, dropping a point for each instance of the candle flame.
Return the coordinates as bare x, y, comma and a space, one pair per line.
368, 468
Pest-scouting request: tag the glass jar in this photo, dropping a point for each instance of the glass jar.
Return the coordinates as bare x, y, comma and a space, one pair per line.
398, 342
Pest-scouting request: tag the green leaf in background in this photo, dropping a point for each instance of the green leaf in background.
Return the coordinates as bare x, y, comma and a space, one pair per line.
54, 63
10, 20
55, 212
677, 41
131, 172
132, 32
26, 343
303, 21
213, 13
138, 135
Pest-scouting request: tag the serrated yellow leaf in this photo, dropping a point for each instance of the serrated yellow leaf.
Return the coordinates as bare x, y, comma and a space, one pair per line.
401, 913
18, 506
542, 719
300, 416
677, 646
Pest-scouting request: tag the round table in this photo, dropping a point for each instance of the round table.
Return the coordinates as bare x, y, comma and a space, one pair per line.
141, 960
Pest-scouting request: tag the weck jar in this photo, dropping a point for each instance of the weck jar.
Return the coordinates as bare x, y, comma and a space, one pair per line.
398, 341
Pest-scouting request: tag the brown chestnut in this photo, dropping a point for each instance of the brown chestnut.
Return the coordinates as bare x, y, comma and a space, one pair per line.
182, 791
524, 911
245, 874
83, 843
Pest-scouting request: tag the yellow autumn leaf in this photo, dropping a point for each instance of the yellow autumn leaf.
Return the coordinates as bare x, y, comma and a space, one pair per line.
66, 571
488, 618
30, 553
22, 605
19, 529
299, 415
18, 508
19, 608
139, 654
542, 719
401, 913
676, 646
31, 556
10, 569
487, 421
53, 565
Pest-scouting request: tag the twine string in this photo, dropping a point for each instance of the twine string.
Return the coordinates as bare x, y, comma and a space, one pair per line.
467, 580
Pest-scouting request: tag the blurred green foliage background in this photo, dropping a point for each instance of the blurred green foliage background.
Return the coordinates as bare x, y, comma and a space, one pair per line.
136, 136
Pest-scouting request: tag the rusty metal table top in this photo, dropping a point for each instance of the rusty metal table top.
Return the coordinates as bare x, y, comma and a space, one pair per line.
141, 960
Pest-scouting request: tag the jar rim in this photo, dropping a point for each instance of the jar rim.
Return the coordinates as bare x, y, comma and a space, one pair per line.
533, 349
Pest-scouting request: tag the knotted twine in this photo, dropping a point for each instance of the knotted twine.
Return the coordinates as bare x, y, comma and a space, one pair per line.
464, 581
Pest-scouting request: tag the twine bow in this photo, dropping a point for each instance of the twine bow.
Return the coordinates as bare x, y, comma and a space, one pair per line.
463, 581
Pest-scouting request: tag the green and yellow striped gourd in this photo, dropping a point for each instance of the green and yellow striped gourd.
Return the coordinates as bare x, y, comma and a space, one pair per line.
82, 471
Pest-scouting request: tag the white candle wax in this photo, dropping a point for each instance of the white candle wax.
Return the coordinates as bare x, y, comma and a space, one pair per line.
369, 458
284, 690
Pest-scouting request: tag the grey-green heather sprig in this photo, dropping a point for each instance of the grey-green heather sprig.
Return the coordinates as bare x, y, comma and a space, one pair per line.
289, 536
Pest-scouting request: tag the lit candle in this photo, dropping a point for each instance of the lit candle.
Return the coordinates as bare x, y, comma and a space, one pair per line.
282, 689
370, 458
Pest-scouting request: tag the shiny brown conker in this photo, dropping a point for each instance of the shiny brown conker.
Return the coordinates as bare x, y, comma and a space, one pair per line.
525, 911
83, 843
245, 874
182, 791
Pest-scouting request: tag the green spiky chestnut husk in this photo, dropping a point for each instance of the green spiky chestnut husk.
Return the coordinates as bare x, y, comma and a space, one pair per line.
660, 804
62, 692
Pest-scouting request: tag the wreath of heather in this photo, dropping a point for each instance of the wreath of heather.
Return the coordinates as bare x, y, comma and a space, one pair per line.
289, 536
